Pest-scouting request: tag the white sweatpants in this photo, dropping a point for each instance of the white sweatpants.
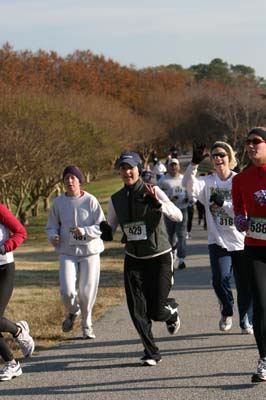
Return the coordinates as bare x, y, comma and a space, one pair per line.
82, 274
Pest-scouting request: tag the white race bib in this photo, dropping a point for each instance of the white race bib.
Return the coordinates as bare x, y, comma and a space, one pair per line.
135, 231
222, 219
225, 222
257, 228
77, 240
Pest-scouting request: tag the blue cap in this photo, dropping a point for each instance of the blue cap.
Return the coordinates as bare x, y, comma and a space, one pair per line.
131, 158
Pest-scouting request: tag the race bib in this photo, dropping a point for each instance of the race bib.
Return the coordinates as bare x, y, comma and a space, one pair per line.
257, 228
223, 220
135, 231
77, 240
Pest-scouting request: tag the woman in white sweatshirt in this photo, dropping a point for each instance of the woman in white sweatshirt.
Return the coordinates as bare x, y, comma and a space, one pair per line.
73, 229
225, 243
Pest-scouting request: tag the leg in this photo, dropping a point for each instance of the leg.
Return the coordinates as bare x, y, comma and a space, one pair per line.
190, 213
256, 259
181, 231
89, 275
244, 297
157, 285
134, 278
68, 271
7, 277
221, 266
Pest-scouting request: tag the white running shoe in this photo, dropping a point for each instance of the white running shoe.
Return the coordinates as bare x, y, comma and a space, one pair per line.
88, 333
247, 331
225, 323
10, 371
260, 376
68, 323
24, 340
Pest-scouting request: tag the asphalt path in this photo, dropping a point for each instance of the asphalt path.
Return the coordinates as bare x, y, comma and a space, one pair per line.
200, 362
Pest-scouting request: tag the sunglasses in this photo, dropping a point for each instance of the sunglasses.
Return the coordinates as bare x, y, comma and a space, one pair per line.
254, 141
216, 155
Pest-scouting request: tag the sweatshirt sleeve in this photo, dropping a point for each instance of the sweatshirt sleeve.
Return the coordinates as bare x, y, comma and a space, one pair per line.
17, 231
53, 223
93, 231
195, 186
111, 216
168, 208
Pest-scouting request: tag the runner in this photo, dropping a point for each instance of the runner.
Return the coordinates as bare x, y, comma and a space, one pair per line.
225, 243
171, 184
20, 330
73, 229
249, 200
148, 273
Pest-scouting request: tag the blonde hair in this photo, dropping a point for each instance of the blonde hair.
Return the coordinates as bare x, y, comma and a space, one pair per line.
230, 152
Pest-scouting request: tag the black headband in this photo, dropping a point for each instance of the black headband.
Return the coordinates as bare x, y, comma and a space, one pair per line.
258, 131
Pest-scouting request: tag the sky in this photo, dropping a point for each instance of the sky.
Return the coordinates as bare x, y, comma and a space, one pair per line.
141, 33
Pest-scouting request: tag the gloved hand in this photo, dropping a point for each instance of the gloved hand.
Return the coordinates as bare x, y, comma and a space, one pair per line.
217, 198
198, 153
151, 201
241, 223
260, 197
107, 233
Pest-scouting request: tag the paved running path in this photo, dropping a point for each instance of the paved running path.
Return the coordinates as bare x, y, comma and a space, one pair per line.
198, 363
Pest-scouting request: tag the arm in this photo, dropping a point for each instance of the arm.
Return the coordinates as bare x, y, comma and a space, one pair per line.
53, 226
167, 206
111, 216
9, 221
92, 231
241, 222
194, 186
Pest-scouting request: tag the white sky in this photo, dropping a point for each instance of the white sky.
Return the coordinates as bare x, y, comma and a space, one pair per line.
141, 32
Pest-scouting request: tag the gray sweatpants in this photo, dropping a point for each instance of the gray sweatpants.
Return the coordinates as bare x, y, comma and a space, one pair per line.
79, 280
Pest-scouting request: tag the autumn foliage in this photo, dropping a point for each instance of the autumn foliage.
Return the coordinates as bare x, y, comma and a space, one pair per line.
85, 109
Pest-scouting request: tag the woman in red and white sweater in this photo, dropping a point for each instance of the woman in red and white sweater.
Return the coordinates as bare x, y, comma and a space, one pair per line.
12, 234
249, 202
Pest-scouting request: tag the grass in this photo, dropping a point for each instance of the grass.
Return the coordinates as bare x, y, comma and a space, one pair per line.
36, 293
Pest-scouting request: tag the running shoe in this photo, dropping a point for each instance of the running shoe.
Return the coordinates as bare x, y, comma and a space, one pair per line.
173, 324
147, 361
88, 333
10, 371
225, 323
68, 323
24, 340
247, 331
260, 376
182, 265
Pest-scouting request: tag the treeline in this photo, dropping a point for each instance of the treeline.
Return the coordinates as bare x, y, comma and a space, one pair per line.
85, 109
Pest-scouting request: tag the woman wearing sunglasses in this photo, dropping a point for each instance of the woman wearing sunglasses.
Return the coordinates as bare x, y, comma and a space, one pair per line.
249, 200
225, 242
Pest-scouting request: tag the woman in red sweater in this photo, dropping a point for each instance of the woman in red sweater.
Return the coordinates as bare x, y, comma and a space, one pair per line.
249, 201
12, 234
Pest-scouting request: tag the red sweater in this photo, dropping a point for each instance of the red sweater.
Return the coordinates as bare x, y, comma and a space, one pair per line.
244, 185
10, 223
